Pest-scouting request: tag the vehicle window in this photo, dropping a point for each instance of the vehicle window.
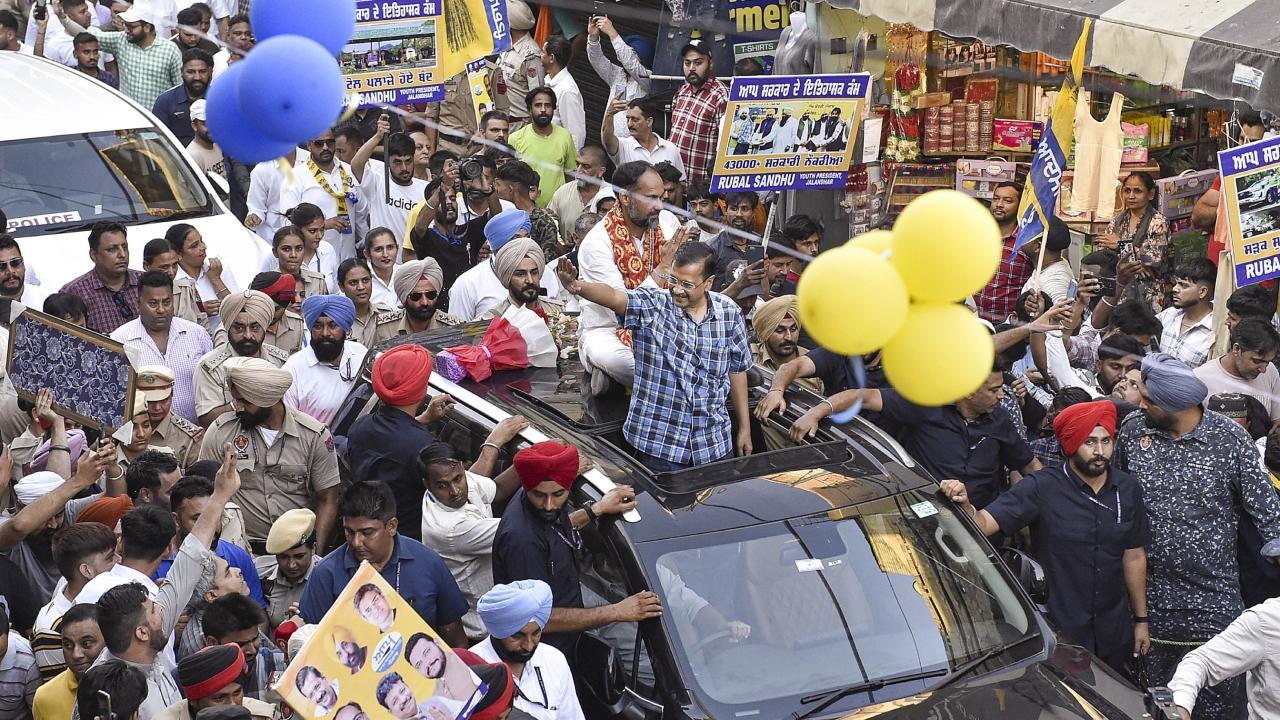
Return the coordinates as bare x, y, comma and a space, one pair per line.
604, 583
466, 431
897, 586
129, 176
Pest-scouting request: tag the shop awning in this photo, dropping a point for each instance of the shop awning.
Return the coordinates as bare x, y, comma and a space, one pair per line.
1229, 49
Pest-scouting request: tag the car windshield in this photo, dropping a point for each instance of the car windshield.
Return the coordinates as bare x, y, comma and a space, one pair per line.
55, 184
889, 588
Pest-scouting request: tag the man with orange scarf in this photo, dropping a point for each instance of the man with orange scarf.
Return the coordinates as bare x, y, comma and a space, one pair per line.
632, 246
1090, 529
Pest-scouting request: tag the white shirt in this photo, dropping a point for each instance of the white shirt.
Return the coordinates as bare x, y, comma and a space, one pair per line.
55, 609
383, 292
569, 114
596, 264
784, 138
1265, 388
33, 296
266, 182
1055, 280
1251, 643
464, 539
555, 691
393, 212
1192, 347
208, 159
478, 289
318, 388
307, 189
121, 574
630, 149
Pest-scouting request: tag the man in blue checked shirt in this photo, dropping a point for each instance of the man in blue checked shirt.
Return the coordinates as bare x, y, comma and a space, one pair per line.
691, 355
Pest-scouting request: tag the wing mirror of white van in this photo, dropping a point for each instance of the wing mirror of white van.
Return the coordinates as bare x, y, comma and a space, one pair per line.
219, 184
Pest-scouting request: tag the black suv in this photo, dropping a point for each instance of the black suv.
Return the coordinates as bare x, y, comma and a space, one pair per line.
803, 581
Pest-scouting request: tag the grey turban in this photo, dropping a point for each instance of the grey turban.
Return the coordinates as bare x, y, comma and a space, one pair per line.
406, 277
1171, 384
506, 260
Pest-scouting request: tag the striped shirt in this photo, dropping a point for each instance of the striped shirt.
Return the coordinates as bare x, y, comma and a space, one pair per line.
145, 73
19, 678
188, 342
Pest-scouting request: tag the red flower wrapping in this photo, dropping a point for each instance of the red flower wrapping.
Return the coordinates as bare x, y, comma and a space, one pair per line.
502, 348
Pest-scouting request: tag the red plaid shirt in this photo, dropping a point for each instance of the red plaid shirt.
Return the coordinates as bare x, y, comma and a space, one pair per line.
999, 298
695, 126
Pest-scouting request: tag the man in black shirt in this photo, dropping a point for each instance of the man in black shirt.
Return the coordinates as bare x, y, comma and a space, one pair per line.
538, 540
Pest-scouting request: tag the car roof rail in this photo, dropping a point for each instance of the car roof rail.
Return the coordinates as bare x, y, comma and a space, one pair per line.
594, 477
798, 457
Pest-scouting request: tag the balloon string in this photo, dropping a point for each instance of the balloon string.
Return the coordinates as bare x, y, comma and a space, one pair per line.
859, 379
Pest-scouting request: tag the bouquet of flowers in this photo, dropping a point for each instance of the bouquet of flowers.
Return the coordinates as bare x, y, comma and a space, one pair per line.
502, 348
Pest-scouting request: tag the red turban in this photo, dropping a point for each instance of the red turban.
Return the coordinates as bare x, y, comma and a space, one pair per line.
400, 375
204, 673
1075, 423
547, 461
106, 510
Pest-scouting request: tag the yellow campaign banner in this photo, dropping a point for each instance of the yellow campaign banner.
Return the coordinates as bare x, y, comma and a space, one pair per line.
403, 51
373, 652
789, 132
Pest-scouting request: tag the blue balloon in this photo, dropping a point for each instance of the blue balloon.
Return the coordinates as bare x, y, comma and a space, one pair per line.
291, 88
230, 129
328, 22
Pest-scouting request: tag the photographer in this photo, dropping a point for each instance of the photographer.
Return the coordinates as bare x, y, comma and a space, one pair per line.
457, 206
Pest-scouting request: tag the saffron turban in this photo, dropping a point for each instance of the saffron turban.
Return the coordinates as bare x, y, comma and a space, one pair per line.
502, 227
406, 277
259, 306
508, 259
337, 308
547, 460
1076, 422
106, 510
1171, 384
257, 381
506, 609
400, 375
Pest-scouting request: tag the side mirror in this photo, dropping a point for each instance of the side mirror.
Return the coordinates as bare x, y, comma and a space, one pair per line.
219, 184
599, 676
1029, 573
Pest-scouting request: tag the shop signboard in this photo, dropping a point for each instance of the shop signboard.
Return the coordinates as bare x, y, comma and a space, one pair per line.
372, 651
1251, 193
402, 51
789, 132
758, 23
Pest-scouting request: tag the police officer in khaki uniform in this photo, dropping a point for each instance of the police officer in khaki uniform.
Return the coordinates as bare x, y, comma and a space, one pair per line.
246, 316
287, 329
135, 437
178, 434
418, 284
291, 548
457, 113
382, 323
521, 66
286, 458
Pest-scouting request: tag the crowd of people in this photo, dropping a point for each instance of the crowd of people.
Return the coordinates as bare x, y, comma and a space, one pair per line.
1132, 455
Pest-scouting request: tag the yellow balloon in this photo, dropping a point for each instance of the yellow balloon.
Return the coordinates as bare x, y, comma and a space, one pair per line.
851, 300
916, 368
946, 245
877, 241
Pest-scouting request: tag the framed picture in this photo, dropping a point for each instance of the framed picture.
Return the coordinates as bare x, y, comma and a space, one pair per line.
90, 375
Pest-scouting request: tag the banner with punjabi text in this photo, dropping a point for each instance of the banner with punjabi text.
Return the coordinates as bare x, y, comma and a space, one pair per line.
372, 654
402, 51
789, 132
1251, 193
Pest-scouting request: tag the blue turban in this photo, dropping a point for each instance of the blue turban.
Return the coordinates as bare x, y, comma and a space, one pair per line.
506, 609
337, 308
1171, 384
504, 226
643, 48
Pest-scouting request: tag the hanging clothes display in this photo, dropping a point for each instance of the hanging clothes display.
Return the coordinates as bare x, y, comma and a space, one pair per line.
1099, 146
797, 50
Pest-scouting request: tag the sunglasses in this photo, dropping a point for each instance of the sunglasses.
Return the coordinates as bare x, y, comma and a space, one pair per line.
429, 294
13, 264
126, 312
325, 143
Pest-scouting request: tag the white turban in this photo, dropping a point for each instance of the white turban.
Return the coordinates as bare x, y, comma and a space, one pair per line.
36, 485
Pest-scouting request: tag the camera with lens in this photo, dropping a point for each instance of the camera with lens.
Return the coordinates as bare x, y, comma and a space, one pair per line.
470, 168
